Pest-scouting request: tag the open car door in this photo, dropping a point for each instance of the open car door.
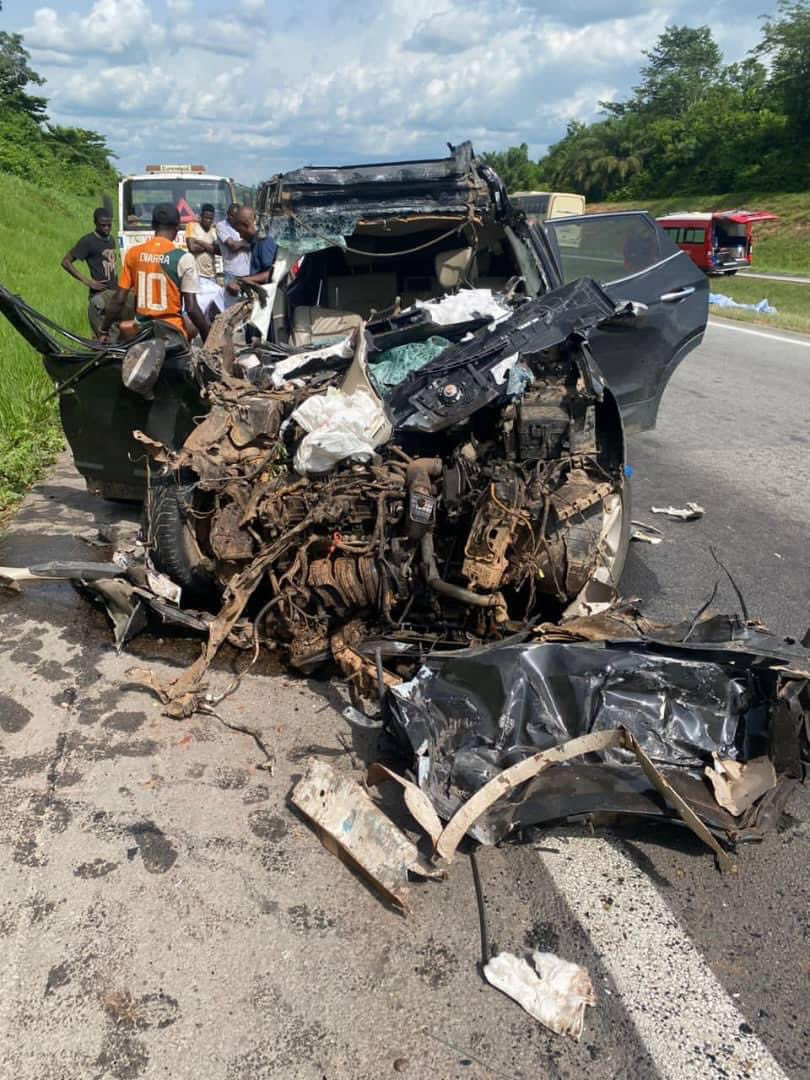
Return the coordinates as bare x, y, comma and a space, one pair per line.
632, 258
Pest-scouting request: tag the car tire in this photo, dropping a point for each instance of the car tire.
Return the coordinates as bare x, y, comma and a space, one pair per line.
169, 531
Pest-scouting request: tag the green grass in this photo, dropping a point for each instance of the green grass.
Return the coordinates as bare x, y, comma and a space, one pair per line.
36, 229
781, 246
792, 302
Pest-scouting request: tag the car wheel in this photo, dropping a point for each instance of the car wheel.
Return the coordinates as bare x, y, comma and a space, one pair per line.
169, 529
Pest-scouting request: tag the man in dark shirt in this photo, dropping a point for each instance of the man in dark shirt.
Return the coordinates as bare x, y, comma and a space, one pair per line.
97, 250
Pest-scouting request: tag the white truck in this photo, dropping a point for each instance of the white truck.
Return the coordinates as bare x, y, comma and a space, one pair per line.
185, 186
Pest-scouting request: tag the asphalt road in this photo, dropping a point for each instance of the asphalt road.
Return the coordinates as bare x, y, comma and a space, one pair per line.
164, 913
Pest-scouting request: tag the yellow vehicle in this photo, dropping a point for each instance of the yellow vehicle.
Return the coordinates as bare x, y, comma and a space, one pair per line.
543, 205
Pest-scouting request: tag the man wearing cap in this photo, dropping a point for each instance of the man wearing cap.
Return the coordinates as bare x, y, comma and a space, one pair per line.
165, 283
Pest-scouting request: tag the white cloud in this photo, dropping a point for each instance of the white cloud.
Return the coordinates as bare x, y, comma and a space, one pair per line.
111, 28
256, 88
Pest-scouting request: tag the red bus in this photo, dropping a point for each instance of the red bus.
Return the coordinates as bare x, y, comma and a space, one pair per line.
719, 242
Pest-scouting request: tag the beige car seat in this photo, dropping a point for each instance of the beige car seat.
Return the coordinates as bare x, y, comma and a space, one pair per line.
321, 326
454, 267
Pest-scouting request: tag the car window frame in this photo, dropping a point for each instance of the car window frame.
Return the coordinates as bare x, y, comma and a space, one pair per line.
554, 248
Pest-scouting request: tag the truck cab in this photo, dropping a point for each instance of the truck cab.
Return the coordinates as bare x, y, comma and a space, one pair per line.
185, 186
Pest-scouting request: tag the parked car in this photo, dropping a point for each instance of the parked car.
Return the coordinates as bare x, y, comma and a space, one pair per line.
720, 242
429, 430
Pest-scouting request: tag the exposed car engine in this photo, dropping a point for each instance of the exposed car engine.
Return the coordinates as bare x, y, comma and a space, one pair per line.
496, 499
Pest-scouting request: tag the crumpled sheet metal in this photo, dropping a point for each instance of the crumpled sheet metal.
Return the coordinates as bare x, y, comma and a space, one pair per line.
469, 718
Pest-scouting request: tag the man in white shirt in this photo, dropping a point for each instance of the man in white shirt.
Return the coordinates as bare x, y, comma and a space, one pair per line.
234, 250
201, 241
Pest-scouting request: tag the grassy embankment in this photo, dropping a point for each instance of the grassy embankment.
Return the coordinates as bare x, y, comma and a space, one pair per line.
36, 229
780, 247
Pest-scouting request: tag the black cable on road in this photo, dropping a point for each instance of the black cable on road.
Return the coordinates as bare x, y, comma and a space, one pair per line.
482, 911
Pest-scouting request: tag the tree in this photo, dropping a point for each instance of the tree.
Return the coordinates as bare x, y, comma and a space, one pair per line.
786, 42
515, 168
681, 67
15, 75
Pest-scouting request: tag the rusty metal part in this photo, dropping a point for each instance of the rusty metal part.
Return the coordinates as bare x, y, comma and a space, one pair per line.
228, 540
578, 494
492, 532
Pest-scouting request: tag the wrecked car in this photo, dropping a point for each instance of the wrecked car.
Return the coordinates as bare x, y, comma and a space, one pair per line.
375, 239
423, 437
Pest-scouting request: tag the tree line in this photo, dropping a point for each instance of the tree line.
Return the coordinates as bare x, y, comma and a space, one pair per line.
67, 158
693, 123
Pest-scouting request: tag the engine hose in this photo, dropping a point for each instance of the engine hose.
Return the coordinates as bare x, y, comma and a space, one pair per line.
455, 592
466, 596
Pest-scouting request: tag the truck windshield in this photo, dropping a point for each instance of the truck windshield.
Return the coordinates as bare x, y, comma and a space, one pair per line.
140, 197
536, 205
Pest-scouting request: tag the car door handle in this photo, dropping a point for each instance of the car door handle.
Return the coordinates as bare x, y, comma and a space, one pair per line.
678, 294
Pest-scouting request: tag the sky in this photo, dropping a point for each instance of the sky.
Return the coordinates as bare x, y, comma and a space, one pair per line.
253, 87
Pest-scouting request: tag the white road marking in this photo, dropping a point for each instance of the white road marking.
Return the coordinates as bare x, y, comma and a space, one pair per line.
686, 1020
760, 333
776, 277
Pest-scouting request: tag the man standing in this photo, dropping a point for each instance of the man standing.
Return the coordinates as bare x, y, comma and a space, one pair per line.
262, 251
97, 250
201, 241
164, 280
235, 250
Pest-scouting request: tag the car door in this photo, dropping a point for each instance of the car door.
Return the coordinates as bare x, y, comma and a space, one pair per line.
632, 258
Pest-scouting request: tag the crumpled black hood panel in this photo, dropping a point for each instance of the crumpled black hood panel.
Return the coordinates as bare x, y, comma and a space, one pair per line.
467, 718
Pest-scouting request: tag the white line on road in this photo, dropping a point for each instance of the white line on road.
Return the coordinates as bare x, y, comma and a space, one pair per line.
760, 333
776, 277
686, 1020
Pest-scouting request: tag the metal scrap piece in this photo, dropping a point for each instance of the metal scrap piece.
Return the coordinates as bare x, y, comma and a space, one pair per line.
738, 785
352, 827
12, 576
509, 779
690, 512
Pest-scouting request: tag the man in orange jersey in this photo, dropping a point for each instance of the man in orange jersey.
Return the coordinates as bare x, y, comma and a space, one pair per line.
164, 281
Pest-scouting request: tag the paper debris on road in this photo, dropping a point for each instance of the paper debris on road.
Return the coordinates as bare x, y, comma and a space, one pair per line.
690, 512
556, 993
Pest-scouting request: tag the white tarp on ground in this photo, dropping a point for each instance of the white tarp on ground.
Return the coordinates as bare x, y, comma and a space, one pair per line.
722, 301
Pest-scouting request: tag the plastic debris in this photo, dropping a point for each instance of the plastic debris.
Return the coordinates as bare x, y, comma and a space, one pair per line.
465, 305
738, 785
556, 993
690, 512
646, 534
390, 367
339, 426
